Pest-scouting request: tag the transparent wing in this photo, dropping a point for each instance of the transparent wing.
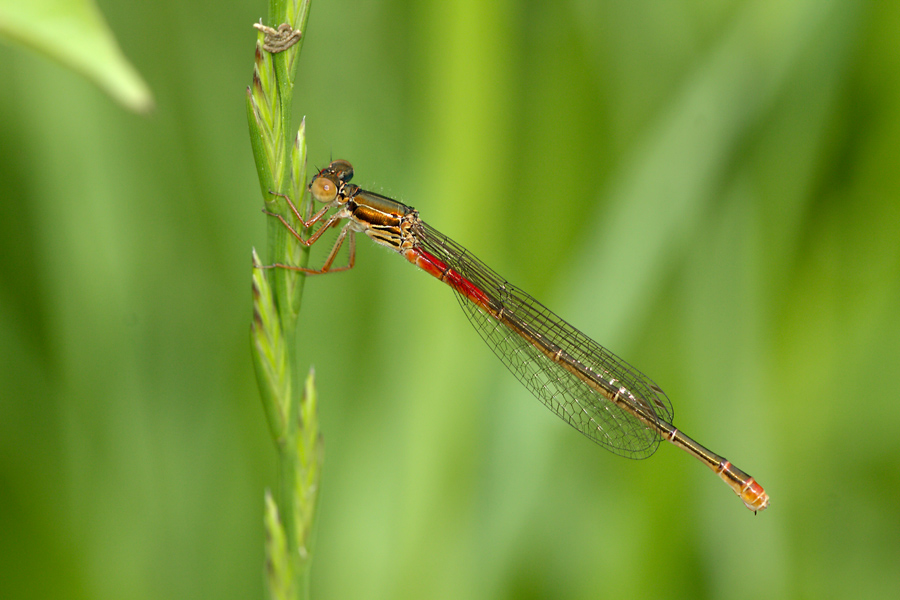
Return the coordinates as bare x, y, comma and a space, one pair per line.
554, 382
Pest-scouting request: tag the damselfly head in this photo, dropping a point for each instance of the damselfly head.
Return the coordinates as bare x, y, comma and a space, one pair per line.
328, 182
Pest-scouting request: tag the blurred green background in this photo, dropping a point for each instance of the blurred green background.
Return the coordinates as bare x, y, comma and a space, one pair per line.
708, 188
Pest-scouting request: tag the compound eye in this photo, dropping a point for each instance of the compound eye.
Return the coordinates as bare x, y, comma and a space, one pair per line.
342, 169
323, 189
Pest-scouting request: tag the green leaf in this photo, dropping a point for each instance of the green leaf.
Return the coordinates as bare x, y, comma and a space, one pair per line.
74, 34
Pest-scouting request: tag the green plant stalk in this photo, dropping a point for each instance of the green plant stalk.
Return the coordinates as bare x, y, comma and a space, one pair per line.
277, 293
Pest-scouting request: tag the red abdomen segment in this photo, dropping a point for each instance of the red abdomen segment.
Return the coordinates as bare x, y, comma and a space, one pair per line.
438, 268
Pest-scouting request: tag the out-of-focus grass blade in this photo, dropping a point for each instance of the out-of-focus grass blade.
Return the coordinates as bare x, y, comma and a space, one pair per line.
74, 33
675, 171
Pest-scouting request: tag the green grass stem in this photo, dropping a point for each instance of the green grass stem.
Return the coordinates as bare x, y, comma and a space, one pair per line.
290, 408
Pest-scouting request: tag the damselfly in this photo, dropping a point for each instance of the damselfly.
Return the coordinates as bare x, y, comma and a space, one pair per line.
586, 385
